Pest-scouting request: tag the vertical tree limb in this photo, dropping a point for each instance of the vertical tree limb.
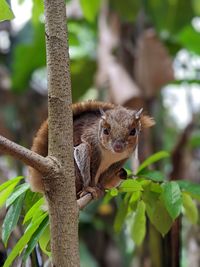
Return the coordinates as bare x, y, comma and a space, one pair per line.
60, 189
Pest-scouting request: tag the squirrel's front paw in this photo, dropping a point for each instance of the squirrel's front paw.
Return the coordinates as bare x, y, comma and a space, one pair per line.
95, 191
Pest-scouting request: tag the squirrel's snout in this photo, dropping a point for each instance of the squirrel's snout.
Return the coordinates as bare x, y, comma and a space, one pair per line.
118, 146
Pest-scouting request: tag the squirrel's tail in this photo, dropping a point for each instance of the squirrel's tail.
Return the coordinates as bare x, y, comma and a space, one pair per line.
40, 146
90, 106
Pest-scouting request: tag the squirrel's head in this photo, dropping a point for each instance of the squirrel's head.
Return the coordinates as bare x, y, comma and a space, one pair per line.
119, 128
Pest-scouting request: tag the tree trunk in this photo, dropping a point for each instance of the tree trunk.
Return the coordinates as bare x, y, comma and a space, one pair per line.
60, 189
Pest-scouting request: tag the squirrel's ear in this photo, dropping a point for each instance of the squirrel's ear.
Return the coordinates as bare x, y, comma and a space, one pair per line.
138, 114
103, 114
146, 121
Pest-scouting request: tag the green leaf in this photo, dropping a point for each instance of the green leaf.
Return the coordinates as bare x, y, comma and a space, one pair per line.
182, 81
189, 38
194, 141
157, 212
172, 198
83, 43
44, 241
113, 192
150, 196
20, 2
17, 192
5, 11
23, 63
139, 224
30, 199
82, 72
6, 192
90, 8
156, 176
9, 182
152, 159
144, 182
33, 210
192, 188
120, 216
86, 258
191, 211
128, 11
169, 16
11, 219
130, 185
107, 198
23, 241
134, 197
159, 217
35, 237
37, 11
83, 56
154, 187
196, 7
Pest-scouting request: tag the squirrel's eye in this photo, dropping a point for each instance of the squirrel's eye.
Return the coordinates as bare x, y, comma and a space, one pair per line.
133, 132
106, 131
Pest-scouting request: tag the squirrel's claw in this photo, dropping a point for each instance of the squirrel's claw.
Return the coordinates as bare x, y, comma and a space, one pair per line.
96, 192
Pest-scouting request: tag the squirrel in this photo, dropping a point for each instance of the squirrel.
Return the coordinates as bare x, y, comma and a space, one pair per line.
105, 136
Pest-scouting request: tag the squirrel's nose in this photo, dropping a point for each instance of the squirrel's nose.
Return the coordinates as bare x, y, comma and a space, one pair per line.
118, 146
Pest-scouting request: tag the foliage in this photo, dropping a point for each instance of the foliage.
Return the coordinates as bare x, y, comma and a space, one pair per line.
24, 63
90, 9
173, 27
6, 13
148, 195
36, 219
127, 12
166, 17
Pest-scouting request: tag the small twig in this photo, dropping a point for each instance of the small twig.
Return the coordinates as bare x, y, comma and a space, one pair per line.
132, 175
27, 156
83, 201
177, 154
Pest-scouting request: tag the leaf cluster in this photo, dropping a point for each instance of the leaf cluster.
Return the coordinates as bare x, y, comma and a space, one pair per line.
148, 195
171, 20
151, 196
19, 200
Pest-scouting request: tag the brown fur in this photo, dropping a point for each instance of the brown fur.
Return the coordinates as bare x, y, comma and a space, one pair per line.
146, 121
90, 106
87, 118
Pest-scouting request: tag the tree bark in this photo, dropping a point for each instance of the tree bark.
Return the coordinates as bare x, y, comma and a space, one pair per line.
27, 156
58, 167
60, 189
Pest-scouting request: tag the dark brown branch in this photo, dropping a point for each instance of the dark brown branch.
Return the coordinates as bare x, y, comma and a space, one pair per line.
177, 170
27, 156
177, 154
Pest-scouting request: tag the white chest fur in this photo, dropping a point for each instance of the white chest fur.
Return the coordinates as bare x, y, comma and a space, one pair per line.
107, 159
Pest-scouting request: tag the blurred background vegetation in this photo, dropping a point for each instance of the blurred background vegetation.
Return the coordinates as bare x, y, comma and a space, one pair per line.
134, 53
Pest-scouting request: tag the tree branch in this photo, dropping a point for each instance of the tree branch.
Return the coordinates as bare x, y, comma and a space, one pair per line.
38, 162
177, 154
84, 201
27, 156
